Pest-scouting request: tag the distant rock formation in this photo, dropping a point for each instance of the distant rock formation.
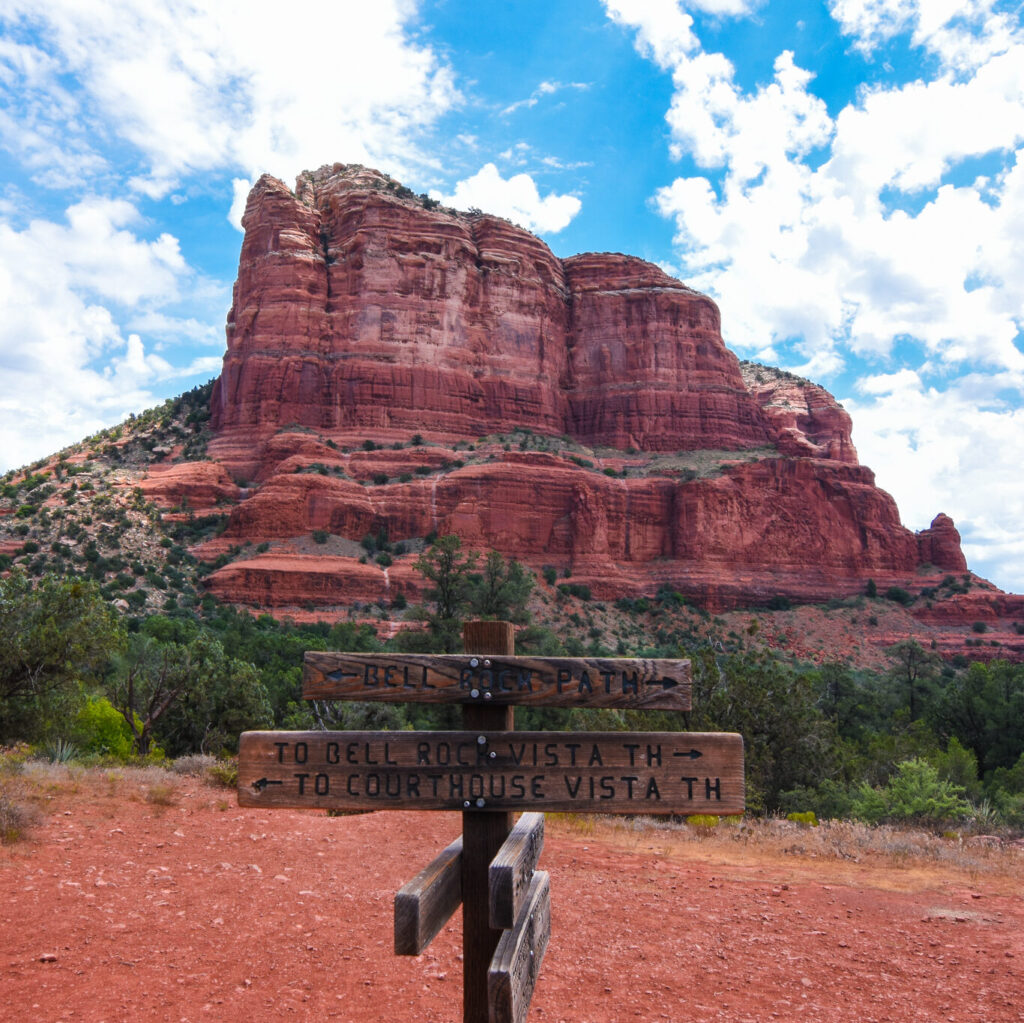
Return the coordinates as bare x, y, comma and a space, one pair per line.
382, 350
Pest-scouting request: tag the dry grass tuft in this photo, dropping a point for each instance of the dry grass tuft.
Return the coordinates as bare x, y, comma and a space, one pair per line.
748, 840
18, 815
161, 793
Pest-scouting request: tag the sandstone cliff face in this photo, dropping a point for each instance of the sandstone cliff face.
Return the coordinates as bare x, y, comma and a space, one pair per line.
358, 309
806, 421
939, 545
381, 353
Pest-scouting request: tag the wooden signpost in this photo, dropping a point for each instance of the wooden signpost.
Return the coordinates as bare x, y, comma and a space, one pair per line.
488, 770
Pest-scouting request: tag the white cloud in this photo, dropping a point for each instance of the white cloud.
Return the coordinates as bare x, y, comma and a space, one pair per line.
516, 198
664, 29
229, 87
964, 34
861, 237
958, 451
544, 89
724, 8
68, 365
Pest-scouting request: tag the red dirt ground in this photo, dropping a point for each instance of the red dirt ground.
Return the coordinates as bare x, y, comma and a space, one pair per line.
119, 908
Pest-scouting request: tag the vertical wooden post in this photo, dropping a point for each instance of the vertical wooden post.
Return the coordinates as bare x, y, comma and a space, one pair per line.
483, 833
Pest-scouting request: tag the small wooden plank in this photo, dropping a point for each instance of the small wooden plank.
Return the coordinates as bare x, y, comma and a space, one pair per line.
516, 963
575, 772
636, 683
424, 905
512, 870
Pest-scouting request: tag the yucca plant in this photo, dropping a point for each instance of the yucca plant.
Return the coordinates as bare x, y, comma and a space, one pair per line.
60, 751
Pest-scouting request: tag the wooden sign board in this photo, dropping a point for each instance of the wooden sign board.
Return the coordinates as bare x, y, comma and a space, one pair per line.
576, 772
424, 905
510, 872
516, 963
641, 684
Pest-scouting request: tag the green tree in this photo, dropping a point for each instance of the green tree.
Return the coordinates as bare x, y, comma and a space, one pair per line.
915, 670
788, 742
501, 590
147, 678
984, 708
448, 569
53, 637
189, 696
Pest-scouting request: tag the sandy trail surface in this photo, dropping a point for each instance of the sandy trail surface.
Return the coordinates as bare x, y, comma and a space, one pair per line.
132, 902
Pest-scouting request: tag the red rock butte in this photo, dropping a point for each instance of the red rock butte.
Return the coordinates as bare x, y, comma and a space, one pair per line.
383, 352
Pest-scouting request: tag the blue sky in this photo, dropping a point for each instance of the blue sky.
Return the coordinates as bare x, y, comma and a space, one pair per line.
846, 179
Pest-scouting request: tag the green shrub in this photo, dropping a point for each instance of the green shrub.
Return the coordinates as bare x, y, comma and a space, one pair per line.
702, 821
224, 772
914, 793
100, 728
979, 627
550, 574
899, 595
808, 818
320, 535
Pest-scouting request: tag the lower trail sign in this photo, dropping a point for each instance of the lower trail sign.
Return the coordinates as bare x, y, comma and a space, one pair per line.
488, 770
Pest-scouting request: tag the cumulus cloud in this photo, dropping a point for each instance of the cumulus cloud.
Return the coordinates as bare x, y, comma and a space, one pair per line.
68, 289
957, 450
193, 88
515, 198
964, 34
835, 240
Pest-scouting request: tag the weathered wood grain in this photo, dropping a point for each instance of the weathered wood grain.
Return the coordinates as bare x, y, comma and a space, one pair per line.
637, 683
512, 869
577, 772
516, 963
424, 905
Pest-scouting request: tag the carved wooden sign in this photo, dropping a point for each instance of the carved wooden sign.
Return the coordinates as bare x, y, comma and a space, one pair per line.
511, 871
424, 905
516, 963
577, 772
638, 683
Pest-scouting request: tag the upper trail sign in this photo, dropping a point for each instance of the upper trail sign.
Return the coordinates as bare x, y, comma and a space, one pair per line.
637, 683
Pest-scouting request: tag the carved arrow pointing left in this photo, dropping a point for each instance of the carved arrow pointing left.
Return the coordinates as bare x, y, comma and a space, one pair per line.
261, 783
